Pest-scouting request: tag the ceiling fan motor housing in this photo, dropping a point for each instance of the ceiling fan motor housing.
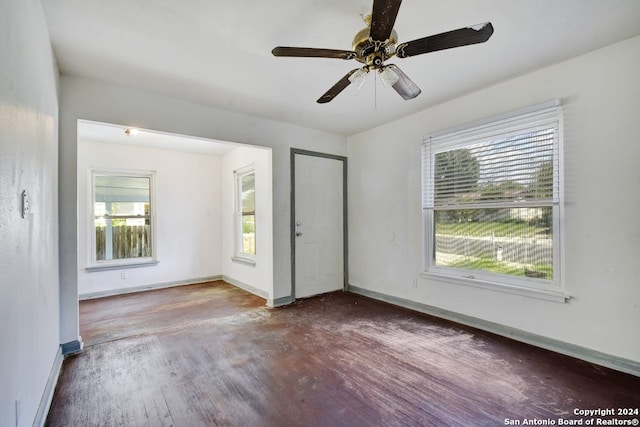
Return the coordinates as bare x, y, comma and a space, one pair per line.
373, 52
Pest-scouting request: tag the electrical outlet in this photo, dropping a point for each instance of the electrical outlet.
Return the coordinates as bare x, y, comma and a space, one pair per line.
414, 283
124, 275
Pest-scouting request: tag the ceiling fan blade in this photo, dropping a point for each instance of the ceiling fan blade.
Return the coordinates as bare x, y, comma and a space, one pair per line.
336, 88
461, 37
404, 86
382, 18
311, 52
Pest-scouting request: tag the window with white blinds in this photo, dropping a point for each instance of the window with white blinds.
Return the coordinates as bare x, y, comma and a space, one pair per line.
491, 194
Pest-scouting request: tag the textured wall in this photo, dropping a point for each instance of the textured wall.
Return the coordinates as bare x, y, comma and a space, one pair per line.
29, 335
188, 215
601, 99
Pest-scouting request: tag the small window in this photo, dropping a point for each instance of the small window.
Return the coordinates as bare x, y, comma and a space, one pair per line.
491, 197
246, 212
123, 212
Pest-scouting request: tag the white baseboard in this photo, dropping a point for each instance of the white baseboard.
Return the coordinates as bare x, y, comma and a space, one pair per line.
248, 288
121, 291
49, 389
614, 362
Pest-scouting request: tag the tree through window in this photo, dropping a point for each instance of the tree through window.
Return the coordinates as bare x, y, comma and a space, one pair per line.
491, 198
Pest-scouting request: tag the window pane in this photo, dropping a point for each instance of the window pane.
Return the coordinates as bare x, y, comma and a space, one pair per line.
127, 241
248, 214
519, 167
122, 212
122, 188
512, 241
491, 194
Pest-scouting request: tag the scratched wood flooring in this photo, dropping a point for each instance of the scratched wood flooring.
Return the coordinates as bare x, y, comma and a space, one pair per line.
214, 355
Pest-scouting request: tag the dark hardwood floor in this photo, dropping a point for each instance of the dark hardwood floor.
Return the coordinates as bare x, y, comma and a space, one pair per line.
212, 354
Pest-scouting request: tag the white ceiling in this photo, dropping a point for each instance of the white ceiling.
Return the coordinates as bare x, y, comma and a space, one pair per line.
115, 134
219, 53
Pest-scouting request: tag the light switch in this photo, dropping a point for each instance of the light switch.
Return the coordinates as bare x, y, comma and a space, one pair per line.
25, 203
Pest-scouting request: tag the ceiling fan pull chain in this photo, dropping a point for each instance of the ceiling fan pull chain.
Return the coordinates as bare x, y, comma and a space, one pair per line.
375, 91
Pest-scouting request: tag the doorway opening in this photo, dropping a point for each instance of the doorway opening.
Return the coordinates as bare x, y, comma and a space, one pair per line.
187, 223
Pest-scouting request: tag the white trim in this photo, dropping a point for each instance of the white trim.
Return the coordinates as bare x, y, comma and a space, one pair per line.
238, 284
540, 116
549, 293
540, 110
157, 286
49, 390
558, 211
245, 169
122, 263
152, 287
97, 265
240, 256
244, 260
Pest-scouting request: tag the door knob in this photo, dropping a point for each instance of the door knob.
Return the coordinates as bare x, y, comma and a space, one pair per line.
298, 233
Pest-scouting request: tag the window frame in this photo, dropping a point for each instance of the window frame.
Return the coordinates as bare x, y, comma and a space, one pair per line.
465, 136
239, 255
93, 264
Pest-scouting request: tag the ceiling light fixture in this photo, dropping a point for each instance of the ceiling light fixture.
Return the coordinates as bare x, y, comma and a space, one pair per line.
131, 131
389, 77
358, 77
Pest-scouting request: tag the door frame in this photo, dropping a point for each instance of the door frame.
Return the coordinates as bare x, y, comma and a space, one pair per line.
345, 235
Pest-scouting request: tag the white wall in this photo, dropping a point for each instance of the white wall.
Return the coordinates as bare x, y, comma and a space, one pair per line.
110, 103
188, 215
260, 275
29, 246
601, 98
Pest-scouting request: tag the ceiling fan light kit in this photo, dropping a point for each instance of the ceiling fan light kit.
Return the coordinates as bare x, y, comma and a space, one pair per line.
378, 42
388, 76
359, 77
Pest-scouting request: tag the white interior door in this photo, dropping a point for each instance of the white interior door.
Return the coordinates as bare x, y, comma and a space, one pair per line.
319, 225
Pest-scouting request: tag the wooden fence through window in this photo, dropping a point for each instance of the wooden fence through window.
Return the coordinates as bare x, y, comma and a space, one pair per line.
128, 241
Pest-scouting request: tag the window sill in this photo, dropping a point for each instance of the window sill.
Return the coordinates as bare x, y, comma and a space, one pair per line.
242, 260
548, 295
123, 264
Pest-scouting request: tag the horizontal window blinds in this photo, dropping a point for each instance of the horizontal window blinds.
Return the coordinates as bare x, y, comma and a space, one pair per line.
510, 161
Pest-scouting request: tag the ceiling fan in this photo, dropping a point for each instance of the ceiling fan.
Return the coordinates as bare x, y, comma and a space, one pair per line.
376, 43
